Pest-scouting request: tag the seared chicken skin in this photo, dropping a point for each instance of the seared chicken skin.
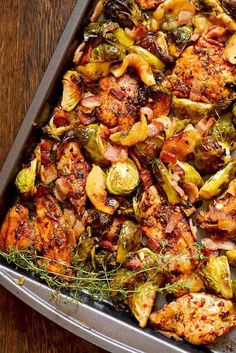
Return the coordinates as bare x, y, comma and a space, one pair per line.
17, 230
221, 217
119, 99
163, 224
202, 74
73, 171
198, 317
53, 236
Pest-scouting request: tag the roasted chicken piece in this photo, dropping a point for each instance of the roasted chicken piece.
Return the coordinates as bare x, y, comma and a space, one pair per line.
202, 74
53, 236
163, 224
198, 317
220, 219
17, 230
72, 171
155, 98
119, 99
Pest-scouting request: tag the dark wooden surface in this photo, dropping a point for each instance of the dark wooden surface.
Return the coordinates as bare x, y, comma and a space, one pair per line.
29, 32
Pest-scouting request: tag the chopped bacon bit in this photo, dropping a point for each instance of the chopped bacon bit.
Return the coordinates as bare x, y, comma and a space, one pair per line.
153, 244
146, 178
105, 244
173, 221
115, 154
185, 18
168, 157
213, 244
204, 126
133, 264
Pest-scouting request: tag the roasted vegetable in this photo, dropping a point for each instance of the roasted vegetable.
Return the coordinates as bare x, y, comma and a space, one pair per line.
122, 37
72, 90
230, 49
181, 35
129, 240
151, 59
25, 180
96, 191
186, 109
149, 148
107, 53
138, 133
225, 133
231, 256
217, 276
164, 180
92, 31
190, 174
125, 12
141, 65
217, 182
84, 248
94, 71
188, 283
209, 155
122, 178
124, 279
142, 301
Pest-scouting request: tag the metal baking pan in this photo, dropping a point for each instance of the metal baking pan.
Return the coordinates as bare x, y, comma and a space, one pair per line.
96, 322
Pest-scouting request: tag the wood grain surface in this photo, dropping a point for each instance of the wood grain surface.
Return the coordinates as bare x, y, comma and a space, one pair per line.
29, 32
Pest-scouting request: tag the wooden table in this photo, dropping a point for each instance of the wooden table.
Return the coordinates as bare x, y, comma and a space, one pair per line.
29, 32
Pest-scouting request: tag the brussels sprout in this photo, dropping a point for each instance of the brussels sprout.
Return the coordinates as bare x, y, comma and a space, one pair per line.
129, 240
231, 256
122, 178
107, 52
224, 133
181, 35
91, 140
217, 182
230, 49
92, 31
190, 174
186, 109
72, 90
52, 130
150, 148
217, 276
125, 12
96, 191
151, 59
124, 279
142, 301
164, 181
94, 71
122, 37
188, 283
148, 257
84, 248
138, 133
25, 179
209, 156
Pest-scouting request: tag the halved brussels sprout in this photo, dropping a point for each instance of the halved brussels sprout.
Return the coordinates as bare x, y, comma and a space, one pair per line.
217, 182
96, 191
188, 283
217, 276
122, 37
124, 279
107, 52
151, 59
122, 178
129, 240
186, 109
25, 180
137, 133
230, 50
190, 174
142, 301
72, 90
231, 256
125, 12
52, 130
94, 71
84, 248
164, 181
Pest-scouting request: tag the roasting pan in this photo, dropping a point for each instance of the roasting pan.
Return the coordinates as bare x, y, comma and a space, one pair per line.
97, 322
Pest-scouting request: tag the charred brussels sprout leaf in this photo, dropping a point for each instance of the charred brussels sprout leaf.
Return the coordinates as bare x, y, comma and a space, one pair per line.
92, 31
142, 301
181, 35
164, 181
129, 240
25, 179
217, 182
122, 178
217, 276
94, 71
72, 90
190, 174
231, 256
85, 247
107, 52
225, 133
124, 279
151, 59
125, 12
186, 109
